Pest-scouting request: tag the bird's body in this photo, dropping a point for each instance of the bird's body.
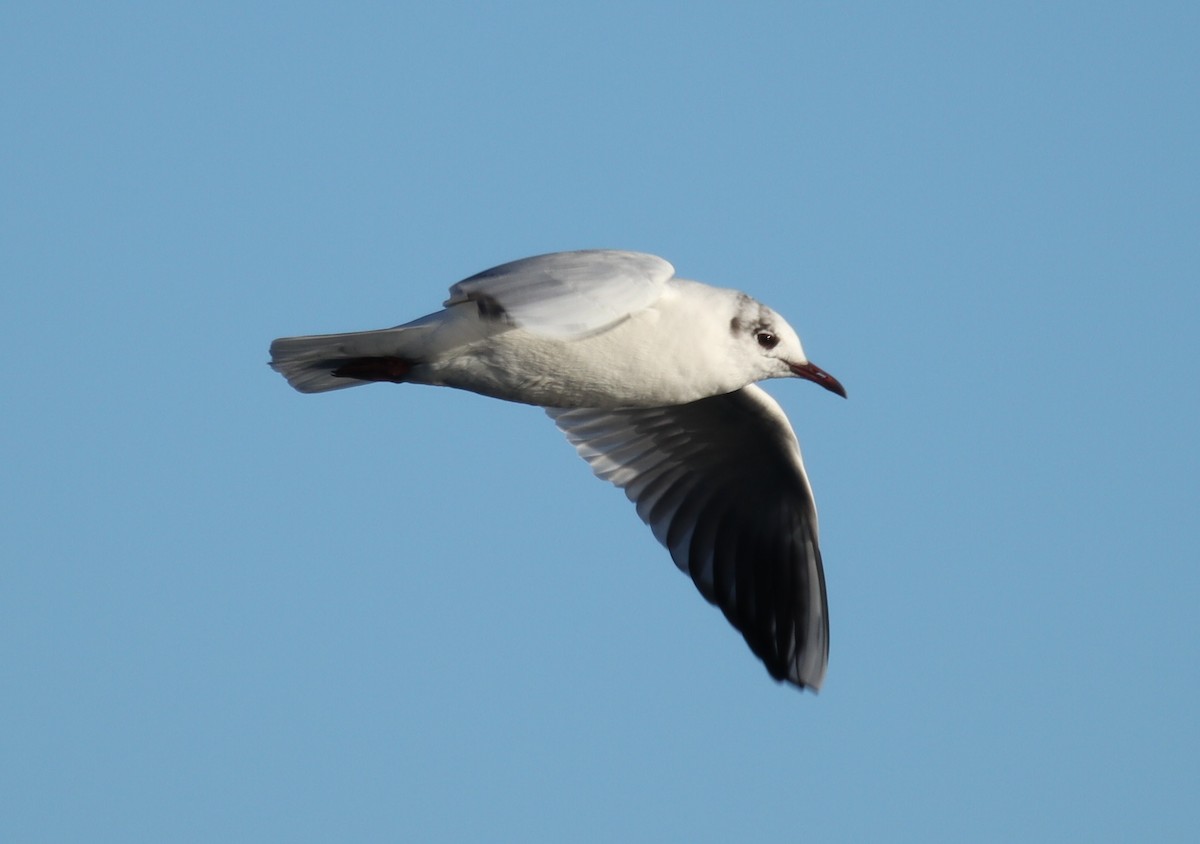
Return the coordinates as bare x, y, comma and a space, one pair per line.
648, 376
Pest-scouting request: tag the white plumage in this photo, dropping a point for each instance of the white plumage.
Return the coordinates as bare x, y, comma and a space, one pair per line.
652, 379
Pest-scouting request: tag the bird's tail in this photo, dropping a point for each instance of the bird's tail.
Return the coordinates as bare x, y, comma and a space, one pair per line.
323, 362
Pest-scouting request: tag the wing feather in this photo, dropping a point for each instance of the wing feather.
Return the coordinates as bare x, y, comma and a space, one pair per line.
567, 294
722, 485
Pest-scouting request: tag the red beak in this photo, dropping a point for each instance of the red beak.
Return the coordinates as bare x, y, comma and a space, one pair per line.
814, 373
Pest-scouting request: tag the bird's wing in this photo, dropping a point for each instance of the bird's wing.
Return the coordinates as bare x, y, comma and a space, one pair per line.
566, 294
721, 483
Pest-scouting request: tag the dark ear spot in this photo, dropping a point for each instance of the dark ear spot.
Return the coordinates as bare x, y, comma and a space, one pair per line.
735, 326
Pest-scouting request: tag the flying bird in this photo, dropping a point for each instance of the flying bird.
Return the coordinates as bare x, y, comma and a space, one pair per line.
652, 379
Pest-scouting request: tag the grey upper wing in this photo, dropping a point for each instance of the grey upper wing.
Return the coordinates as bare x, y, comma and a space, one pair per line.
721, 483
567, 294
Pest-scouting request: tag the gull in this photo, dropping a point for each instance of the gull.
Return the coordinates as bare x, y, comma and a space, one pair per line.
652, 379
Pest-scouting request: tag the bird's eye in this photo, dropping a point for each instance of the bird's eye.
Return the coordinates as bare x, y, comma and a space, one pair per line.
767, 340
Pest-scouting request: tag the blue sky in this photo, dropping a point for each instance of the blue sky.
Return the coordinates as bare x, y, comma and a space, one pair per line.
232, 612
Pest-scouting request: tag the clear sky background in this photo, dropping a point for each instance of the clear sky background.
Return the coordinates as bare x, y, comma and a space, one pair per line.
230, 612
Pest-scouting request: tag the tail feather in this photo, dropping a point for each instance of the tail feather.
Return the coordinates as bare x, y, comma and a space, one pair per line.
308, 363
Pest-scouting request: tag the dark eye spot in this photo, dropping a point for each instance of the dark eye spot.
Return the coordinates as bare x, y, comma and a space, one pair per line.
766, 339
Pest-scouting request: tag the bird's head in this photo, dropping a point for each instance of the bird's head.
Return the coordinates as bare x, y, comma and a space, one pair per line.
775, 347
